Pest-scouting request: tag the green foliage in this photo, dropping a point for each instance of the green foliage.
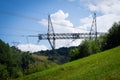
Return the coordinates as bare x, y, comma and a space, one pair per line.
5, 54
113, 37
15, 72
74, 54
37, 66
61, 57
4, 75
86, 48
104, 42
26, 61
94, 46
13, 62
102, 66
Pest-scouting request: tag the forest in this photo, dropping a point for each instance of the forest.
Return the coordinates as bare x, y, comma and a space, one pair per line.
15, 63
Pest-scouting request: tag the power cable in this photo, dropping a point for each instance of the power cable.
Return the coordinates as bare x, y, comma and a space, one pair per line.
70, 26
12, 35
67, 45
19, 15
14, 28
15, 35
35, 19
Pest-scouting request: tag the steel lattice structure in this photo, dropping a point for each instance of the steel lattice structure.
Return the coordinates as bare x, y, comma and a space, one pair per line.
51, 36
67, 36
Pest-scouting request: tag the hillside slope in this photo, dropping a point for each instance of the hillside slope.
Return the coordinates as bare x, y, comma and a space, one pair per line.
101, 66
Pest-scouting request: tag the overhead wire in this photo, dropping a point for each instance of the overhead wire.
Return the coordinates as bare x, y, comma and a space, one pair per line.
68, 44
15, 35
31, 18
71, 26
22, 16
19, 15
36, 19
14, 28
12, 35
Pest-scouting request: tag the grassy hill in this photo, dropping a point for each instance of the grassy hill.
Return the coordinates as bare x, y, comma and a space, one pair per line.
101, 66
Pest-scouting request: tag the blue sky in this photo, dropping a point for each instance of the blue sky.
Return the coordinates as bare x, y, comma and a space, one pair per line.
29, 17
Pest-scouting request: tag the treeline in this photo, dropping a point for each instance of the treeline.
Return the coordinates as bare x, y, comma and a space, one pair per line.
15, 63
61, 56
104, 42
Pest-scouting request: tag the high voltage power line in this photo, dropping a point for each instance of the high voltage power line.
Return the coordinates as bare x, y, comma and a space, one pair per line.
12, 35
15, 28
35, 19
19, 15
48, 36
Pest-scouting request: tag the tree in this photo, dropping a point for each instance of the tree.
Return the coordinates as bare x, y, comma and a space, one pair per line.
5, 56
4, 74
74, 54
12, 61
113, 37
86, 48
26, 60
81, 51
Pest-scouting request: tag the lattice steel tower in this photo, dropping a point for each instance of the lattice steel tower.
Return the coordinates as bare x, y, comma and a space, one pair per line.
93, 30
51, 36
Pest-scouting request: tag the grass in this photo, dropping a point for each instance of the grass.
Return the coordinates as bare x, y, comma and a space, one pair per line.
101, 66
41, 63
40, 57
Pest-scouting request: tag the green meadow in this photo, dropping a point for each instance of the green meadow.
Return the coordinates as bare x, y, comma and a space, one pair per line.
100, 66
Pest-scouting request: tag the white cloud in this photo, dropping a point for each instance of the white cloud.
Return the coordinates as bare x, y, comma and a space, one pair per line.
105, 6
58, 19
59, 15
93, 7
31, 47
44, 22
110, 13
106, 21
61, 24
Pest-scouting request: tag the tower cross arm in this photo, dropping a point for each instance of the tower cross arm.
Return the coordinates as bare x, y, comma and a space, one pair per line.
67, 35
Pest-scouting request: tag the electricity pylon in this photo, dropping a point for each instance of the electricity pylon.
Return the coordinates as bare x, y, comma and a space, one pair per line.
51, 36
93, 31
